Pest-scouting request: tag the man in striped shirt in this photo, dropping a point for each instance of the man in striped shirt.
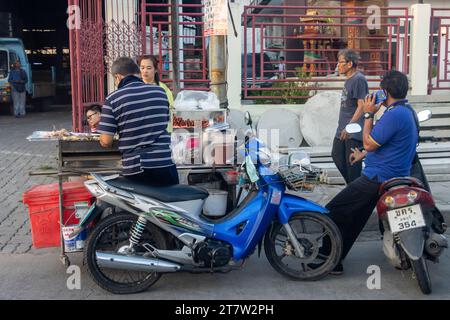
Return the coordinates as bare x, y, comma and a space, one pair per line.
139, 113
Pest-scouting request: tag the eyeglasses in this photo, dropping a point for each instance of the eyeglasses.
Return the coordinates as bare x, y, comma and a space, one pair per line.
342, 62
91, 115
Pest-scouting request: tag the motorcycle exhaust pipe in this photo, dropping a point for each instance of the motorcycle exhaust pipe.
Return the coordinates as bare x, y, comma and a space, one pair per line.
122, 262
435, 244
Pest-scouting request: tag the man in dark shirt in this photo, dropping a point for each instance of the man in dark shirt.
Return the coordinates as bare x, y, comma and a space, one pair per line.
139, 113
18, 80
353, 94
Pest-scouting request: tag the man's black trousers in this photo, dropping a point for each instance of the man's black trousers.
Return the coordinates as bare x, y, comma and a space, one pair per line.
352, 207
341, 153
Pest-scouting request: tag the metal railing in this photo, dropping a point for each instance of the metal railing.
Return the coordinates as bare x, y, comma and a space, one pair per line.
309, 39
114, 28
157, 40
439, 63
86, 60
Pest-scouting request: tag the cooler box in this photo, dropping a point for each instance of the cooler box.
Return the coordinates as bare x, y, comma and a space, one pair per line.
43, 207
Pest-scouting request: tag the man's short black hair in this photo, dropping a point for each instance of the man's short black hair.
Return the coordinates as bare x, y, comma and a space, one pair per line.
95, 108
125, 66
396, 84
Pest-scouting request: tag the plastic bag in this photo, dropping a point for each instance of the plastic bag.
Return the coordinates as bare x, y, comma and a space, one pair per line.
196, 100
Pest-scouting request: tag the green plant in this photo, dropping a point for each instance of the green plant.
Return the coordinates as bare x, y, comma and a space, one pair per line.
286, 91
330, 28
433, 71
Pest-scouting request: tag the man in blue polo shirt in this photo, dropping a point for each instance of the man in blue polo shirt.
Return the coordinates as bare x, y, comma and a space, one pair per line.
139, 113
390, 146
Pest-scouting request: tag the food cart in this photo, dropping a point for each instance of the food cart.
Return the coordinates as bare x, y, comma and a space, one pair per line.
205, 166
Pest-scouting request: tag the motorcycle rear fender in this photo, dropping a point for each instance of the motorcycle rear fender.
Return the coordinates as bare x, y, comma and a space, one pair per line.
291, 204
412, 242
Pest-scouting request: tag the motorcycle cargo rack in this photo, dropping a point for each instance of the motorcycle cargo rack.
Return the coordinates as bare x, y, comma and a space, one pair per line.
299, 178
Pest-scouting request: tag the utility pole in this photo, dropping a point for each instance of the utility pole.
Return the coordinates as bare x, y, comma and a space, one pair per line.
175, 46
214, 15
217, 68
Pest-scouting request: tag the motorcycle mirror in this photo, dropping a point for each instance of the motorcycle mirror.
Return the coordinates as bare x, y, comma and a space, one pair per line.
424, 115
248, 119
299, 157
305, 162
353, 128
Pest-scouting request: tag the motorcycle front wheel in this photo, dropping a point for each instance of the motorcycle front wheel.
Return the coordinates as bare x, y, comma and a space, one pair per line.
420, 269
112, 235
317, 234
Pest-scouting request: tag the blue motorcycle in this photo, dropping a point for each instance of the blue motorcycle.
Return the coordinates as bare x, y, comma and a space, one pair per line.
162, 230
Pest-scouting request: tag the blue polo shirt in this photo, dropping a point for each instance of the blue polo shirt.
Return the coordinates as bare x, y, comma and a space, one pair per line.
396, 135
139, 113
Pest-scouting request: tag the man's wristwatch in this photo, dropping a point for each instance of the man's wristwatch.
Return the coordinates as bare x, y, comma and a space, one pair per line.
369, 115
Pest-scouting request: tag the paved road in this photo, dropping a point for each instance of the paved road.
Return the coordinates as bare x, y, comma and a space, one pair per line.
42, 276
19, 157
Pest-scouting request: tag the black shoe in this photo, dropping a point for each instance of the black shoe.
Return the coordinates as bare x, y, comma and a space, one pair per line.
338, 270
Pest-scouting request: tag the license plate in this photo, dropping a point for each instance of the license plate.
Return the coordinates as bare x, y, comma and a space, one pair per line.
406, 218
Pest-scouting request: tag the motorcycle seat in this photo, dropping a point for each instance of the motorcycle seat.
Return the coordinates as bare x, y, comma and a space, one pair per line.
175, 193
402, 181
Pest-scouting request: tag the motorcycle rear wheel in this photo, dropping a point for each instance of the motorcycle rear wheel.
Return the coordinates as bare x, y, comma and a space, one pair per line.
420, 269
317, 262
111, 234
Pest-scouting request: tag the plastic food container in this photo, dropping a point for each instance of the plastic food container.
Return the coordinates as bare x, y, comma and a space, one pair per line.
216, 203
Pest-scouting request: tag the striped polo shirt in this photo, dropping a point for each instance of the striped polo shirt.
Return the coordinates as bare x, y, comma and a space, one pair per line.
139, 113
